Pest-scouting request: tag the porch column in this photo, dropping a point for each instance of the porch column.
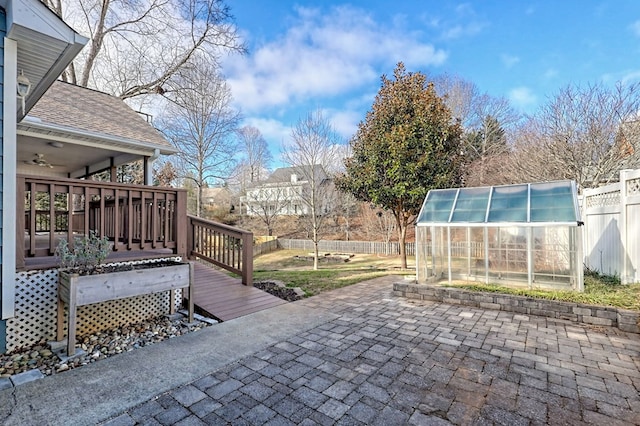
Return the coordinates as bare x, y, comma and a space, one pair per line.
113, 170
148, 167
9, 159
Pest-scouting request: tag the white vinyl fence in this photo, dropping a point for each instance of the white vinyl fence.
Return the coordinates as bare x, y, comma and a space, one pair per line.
611, 216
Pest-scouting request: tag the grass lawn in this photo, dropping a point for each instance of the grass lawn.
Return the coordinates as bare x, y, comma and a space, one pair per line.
598, 290
281, 265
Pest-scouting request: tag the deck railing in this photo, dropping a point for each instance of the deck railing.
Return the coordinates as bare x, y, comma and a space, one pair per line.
224, 246
133, 217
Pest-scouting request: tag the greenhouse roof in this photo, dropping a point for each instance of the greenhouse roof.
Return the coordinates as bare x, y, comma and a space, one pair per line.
529, 204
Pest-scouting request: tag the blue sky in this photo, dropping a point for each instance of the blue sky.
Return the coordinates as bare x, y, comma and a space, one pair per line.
330, 55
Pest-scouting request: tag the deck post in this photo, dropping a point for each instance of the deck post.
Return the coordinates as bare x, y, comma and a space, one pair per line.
182, 224
20, 221
190, 237
247, 259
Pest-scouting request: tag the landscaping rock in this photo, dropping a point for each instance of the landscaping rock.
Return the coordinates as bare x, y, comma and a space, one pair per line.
94, 347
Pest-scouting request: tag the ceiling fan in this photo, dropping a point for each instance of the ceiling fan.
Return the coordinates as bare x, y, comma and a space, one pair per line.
39, 160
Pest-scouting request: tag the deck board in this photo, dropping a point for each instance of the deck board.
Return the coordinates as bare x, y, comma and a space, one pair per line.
225, 298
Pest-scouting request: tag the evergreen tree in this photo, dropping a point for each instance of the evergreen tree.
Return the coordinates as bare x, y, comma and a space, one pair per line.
408, 144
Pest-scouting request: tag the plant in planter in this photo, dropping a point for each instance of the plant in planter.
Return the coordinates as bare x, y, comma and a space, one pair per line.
82, 280
87, 254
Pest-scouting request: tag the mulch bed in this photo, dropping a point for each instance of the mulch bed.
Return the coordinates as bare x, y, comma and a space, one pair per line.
274, 289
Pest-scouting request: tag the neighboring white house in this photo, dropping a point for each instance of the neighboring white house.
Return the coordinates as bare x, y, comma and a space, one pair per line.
217, 198
283, 193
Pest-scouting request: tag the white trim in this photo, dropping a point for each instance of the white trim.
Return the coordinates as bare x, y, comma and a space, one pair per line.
9, 143
79, 137
31, 20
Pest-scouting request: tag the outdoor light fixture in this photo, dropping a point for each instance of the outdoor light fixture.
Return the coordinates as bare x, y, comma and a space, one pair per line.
23, 87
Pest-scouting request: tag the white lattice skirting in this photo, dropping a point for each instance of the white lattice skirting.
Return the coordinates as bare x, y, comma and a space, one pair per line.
36, 307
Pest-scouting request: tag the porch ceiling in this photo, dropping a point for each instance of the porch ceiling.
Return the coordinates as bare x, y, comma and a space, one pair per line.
68, 158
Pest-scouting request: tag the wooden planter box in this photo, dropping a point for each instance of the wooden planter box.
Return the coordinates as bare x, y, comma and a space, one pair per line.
78, 290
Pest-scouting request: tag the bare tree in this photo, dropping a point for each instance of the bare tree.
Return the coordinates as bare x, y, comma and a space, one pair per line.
486, 121
378, 222
460, 96
254, 161
529, 161
346, 209
255, 152
138, 48
313, 148
585, 133
201, 124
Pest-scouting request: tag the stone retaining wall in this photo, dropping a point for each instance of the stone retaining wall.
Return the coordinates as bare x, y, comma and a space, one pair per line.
608, 316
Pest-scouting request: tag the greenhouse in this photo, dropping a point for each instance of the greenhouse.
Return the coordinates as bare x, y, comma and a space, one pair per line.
525, 235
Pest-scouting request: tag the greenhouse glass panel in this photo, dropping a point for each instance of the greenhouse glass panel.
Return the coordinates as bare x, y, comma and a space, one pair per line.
437, 206
552, 202
553, 256
548, 202
508, 254
509, 204
471, 205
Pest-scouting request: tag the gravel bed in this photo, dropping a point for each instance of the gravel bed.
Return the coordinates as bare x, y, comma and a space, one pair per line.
114, 341
98, 346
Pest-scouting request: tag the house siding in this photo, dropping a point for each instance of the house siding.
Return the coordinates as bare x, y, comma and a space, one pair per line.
3, 32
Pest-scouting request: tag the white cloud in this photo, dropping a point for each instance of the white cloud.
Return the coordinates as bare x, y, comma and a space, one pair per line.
509, 60
631, 77
550, 73
635, 28
463, 21
345, 122
522, 97
274, 132
323, 55
459, 31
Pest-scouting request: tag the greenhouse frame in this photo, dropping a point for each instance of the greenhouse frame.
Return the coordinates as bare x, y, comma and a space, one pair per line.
525, 235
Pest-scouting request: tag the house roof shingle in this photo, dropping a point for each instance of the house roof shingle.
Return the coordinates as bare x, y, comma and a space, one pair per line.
88, 110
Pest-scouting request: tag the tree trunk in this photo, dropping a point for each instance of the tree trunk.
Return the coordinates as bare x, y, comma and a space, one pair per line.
199, 201
316, 255
316, 252
402, 237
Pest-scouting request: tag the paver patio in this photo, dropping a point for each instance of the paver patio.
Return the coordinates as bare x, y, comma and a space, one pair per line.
384, 360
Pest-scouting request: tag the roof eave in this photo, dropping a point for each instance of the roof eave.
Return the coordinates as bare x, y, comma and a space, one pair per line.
65, 58
46, 45
44, 130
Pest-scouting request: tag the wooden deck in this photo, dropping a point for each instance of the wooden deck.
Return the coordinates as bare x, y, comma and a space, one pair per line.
225, 298
47, 262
